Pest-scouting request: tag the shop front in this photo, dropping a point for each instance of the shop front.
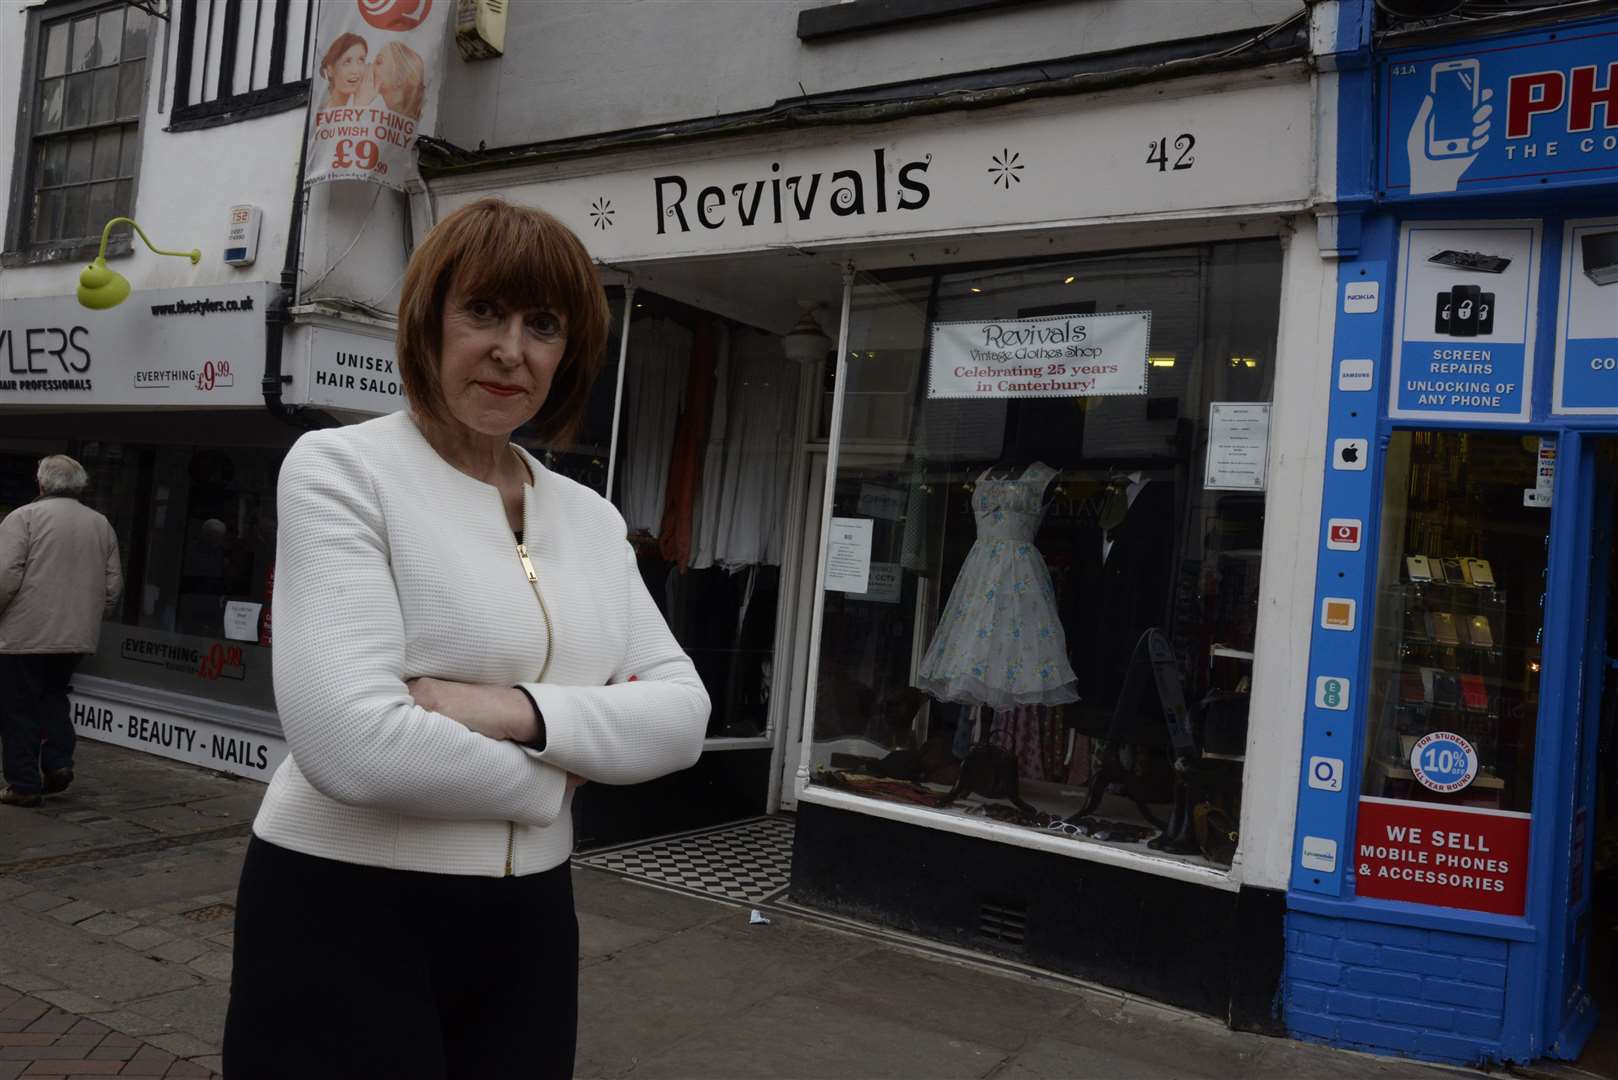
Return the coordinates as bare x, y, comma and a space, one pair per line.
950, 447
159, 398
1454, 890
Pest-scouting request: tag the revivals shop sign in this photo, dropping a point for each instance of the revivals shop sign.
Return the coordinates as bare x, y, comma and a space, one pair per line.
1074, 160
201, 347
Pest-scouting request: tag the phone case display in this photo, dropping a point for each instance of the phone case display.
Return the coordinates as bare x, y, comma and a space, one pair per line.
1000, 641
1446, 671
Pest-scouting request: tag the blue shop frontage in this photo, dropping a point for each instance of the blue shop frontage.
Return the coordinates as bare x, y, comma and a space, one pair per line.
1454, 887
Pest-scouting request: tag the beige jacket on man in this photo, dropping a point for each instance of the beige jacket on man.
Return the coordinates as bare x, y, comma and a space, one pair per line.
59, 575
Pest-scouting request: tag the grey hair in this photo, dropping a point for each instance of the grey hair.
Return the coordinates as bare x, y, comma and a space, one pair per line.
61, 475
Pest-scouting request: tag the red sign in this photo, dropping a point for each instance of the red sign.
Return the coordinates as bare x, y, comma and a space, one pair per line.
1449, 856
395, 14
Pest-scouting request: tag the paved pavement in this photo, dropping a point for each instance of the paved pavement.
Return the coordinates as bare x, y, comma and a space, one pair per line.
115, 935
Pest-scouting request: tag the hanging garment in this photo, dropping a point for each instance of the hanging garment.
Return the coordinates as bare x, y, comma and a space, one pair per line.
654, 393
705, 519
999, 641
919, 541
686, 454
741, 525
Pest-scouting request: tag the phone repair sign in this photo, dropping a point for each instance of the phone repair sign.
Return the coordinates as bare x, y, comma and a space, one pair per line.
1502, 114
1464, 321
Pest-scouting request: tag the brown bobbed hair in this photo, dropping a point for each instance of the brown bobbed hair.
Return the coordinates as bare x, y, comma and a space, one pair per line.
521, 258
340, 45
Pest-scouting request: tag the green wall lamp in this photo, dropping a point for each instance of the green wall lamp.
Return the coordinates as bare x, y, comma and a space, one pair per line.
101, 288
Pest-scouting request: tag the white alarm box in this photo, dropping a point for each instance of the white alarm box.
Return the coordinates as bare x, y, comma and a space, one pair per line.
241, 239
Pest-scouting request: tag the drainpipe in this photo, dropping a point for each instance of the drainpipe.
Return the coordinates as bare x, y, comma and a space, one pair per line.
276, 318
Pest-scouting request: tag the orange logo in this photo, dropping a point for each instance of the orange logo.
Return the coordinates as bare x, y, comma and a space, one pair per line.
394, 14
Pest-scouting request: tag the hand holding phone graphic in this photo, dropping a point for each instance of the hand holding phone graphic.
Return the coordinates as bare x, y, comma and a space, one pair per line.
1450, 127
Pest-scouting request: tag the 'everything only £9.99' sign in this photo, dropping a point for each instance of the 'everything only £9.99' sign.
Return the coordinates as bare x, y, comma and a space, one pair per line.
1505, 114
379, 63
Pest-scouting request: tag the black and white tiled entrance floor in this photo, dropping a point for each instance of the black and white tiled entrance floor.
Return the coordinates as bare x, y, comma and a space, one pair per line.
748, 862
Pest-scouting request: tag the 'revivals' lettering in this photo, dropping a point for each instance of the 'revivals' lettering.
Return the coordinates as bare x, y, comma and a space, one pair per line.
781, 199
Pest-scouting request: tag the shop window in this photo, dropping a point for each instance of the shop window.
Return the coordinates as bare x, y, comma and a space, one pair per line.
239, 59
1454, 692
196, 534
702, 477
78, 142
1041, 609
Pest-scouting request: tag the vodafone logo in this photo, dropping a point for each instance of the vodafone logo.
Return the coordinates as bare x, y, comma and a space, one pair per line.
394, 14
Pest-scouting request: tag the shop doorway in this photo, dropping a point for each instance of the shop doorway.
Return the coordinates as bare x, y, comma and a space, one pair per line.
1600, 1055
1589, 981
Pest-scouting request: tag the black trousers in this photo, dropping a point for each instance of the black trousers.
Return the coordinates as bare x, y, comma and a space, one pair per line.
35, 727
344, 972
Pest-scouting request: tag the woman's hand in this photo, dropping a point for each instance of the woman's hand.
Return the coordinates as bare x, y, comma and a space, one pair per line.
495, 712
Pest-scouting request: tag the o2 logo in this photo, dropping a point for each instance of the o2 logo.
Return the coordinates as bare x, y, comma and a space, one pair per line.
394, 14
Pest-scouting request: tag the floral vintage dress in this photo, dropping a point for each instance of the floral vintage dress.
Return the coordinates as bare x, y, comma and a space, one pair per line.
999, 642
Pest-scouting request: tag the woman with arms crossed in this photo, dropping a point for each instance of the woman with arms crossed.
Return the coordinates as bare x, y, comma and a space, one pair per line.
461, 638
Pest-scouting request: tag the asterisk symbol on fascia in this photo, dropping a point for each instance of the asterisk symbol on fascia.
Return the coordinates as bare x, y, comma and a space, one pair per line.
1005, 168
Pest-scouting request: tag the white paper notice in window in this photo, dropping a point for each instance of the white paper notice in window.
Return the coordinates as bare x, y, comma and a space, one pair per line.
1238, 446
241, 620
848, 555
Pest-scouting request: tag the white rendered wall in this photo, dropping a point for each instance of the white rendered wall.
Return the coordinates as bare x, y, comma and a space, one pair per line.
1287, 579
185, 184
581, 67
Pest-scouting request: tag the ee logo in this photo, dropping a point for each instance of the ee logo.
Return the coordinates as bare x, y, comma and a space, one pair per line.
1331, 692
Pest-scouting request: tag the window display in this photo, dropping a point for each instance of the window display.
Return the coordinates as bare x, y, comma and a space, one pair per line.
1057, 627
1455, 669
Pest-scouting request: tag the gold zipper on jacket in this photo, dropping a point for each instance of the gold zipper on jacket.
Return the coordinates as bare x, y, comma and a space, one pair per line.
533, 582
544, 610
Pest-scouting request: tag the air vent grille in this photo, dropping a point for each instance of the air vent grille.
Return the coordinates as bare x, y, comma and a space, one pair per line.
1001, 920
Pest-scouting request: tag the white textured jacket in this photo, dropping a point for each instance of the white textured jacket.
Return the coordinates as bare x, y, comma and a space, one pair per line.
391, 564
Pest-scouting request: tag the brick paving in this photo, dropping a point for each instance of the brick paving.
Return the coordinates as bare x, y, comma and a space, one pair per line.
44, 1040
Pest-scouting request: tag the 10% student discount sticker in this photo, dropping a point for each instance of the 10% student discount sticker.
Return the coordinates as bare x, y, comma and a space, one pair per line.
1439, 853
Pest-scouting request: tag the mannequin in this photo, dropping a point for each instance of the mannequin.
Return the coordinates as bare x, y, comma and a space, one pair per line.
999, 640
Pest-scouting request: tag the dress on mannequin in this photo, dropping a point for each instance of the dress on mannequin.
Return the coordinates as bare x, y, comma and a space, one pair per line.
999, 642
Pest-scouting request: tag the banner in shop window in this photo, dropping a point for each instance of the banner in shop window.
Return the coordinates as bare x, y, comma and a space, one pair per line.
1449, 856
377, 69
1463, 336
1049, 356
1586, 381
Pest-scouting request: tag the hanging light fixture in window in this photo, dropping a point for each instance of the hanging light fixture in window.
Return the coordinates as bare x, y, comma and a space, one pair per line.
806, 342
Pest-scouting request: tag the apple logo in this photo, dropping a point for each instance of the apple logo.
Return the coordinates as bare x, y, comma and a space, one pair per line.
1351, 454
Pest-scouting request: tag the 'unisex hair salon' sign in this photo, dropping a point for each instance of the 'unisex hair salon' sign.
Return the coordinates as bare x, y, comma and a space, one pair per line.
1131, 152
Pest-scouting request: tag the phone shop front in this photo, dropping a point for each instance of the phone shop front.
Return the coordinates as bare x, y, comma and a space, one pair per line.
1454, 887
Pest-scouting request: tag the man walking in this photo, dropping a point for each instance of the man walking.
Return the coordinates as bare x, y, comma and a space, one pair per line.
59, 575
